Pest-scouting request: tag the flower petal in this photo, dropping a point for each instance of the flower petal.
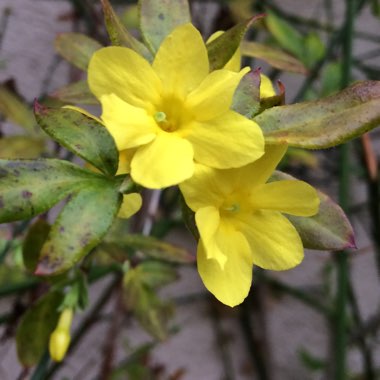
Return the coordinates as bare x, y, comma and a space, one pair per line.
274, 241
289, 196
131, 204
228, 141
166, 161
266, 87
258, 172
125, 158
129, 126
214, 95
122, 71
212, 180
208, 220
182, 61
231, 284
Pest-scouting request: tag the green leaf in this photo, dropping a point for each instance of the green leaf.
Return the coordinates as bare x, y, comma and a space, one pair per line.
80, 226
35, 327
152, 313
246, 100
153, 248
156, 274
314, 50
159, 18
221, 49
119, 35
75, 93
326, 122
331, 78
276, 58
15, 109
82, 135
33, 242
76, 48
27, 147
284, 33
30, 187
328, 230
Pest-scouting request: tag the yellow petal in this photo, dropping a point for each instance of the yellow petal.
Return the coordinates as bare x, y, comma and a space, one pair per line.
131, 204
229, 141
123, 72
274, 241
213, 180
234, 63
258, 172
214, 95
166, 161
266, 87
231, 284
208, 220
129, 126
182, 61
290, 196
125, 158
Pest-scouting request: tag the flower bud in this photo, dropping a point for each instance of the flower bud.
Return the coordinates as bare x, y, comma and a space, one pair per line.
60, 337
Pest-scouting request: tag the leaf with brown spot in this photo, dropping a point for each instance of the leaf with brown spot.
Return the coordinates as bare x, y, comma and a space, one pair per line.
325, 122
80, 226
159, 18
82, 135
30, 187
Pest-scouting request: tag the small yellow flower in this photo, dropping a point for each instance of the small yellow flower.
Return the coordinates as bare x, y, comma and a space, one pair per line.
240, 221
60, 338
173, 112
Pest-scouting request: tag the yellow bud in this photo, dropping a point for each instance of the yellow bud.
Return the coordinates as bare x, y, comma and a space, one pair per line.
60, 337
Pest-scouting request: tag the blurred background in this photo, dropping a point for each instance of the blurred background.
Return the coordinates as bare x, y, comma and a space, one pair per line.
284, 330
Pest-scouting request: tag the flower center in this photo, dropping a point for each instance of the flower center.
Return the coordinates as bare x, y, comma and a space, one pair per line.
172, 115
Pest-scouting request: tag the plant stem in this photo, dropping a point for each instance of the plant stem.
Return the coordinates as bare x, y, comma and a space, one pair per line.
340, 325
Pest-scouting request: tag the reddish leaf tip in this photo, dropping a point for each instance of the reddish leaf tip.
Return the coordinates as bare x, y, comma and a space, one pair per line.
351, 242
38, 107
42, 270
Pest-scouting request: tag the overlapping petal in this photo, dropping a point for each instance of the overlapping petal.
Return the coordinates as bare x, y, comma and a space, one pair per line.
182, 61
228, 141
129, 126
231, 284
273, 240
208, 221
214, 95
258, 172
292, 197
212, 185
164, 162
122, 71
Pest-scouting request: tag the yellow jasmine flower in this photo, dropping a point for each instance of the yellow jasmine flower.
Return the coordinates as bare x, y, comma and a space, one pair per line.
60, 338
240, 222
173, 112
266, 86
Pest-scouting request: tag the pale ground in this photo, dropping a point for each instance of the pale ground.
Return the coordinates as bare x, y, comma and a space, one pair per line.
27, 54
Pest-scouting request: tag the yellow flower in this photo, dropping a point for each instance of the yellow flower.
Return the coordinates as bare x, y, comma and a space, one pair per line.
266, 86
60, 338
240, 222
173, 112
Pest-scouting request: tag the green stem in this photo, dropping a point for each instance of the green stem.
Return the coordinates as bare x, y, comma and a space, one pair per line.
340, 325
